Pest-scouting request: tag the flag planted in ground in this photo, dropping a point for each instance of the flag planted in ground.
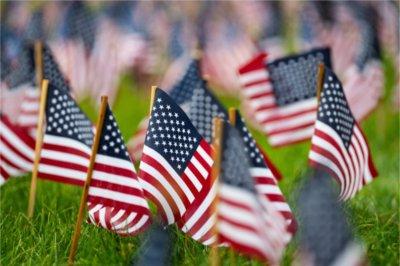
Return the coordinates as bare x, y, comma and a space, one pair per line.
246, 222
67, 140
282, 94
338, 144
115, 199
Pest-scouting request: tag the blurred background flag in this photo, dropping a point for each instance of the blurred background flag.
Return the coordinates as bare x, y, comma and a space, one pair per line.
282, 94
67, 140
265, 181
338, 144
245, 222
325, 234
115, 200
176, 160
17, 150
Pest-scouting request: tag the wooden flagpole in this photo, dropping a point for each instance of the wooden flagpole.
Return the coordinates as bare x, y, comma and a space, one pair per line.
38, 48
320, 79
232, 116
82, 206
152, 95
38, 147
216, 169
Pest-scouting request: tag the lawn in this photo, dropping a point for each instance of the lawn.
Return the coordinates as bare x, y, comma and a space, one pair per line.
45, 239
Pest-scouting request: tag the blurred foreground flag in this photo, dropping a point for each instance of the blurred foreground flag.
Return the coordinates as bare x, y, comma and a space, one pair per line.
338, 144
17, 150
282, 94
156, 248
325, 235
261, 170
176, 160
67, 140
245, 221
115, 200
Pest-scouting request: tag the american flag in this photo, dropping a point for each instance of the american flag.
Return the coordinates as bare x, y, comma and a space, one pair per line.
176, 160
244, 221
115, 198
364, 80
181, 93
17, 150
35, 30
67, 140
326, 237
29, 110
265, 181
338, 144
282, 94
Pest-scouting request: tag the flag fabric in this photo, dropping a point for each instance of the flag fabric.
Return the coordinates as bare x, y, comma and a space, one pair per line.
326, 237
282, 94
265, 181
29, 110
338, 144
245, 222
67, 140
17, 150
115, 198
181, 93
176, 160
35, 30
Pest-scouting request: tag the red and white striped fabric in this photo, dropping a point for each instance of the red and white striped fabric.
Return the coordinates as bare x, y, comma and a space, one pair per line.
364, 88
115, 198
67, 140
283, 125
338, 144
28, 116
17, 150
176, 160
135, 144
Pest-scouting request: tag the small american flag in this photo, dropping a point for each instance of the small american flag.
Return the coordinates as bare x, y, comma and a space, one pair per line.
282, 94
244, 221
35, 30
338, 144
176, 160
17, 150
326, 237
67, 141
115, 199
265, 181
181, 93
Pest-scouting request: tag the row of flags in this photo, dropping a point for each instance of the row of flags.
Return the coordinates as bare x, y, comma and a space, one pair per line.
240, 205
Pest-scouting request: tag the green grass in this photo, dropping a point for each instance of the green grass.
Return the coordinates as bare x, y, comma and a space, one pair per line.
45, 239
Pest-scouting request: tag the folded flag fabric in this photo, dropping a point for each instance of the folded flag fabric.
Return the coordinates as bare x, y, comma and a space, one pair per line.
282, 94
67, 140
17, 150
264, 179
176, 159
246, 222
325, 234
338, 144
115, 198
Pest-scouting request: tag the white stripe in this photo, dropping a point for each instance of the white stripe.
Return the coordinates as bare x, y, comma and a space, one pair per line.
285, 123
199, 167
156, 194
288, 109
281, 206
2, 180
139, 224
237, 194
237, 214
65, 157
210, 241
156, 156
253, 76
95, 208
355, 182
15, 158
102, 216
261, 172
367, 172
10, 170
206, 227
15, 141
117, 216
68, 142
193, 178
263, 101
257, 89
63, 172
205, 155
27, 119
291, 136
30, 106
117, 196
201, 209
123, 224
268, 189
116, 179
115, 162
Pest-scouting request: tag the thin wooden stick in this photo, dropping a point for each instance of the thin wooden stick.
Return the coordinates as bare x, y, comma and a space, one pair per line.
232, 116
320, 80
38, 62
38, 147
217, 143
152, 95
82, 207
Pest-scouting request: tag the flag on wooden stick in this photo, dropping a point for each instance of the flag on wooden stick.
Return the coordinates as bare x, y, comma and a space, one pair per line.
338, 144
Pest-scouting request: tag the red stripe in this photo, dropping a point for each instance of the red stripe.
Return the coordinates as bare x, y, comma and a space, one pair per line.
116, 170
63, 164
61, 179
22, 135
371, 165
15, 149
11, 164
281, 117
66, 149
4, 173
259, 95
206, 147
117, 204
116, 187
257, 82
260, 180
256, 63
246, 250
327, 154
203, 163
290, 129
